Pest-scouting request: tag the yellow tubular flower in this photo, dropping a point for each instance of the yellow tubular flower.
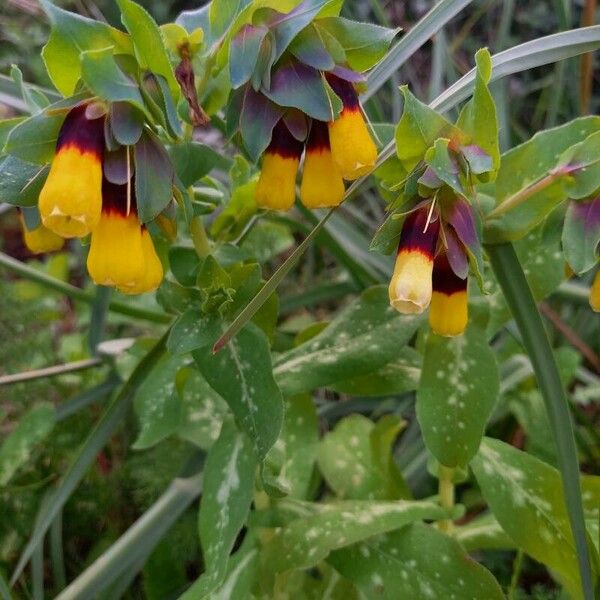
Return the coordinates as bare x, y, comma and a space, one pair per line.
448, 313
153, 271
352, 146
71, 199
410, 287
116, 256
322, 184
595, 293
40, 239
276, 188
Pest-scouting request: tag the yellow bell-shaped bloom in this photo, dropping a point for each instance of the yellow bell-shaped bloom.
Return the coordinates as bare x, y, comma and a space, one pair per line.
448, 313
40, 239
276, 188
411, 286
116, 257
71, 199
352, 146
322, 183
153, 270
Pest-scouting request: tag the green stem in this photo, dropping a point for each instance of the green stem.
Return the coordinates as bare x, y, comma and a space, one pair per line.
446, 495
76, 293
524, 310
514, 580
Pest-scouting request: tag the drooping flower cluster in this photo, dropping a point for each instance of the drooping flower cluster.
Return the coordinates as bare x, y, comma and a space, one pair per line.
337, 150
432, 267
77, 199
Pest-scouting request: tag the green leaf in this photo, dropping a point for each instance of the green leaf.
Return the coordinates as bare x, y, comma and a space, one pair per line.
33, 97
126, 123
249, 387
293, 456
193, 160
193, 330
222, 14
16, 449
478, 117
157, 404
228, 485
524, 165
286, 27
356, 459
458, 389
483, 533
364, 43
444, 165
242, 572
309, 47
153, 177
526, 497
202, 409
34, 140
300, 86
235, 216
581, 234
418, 129
360, 340
148, 42
244, 53
396, 377
21, 182
258, 116
71, 35
309, 539
582, 162
103, 76
417, 562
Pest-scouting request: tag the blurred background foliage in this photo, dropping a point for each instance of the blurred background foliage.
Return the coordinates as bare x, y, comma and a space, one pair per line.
39, 328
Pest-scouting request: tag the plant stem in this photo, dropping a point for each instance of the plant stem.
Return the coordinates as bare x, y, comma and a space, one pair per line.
71, 367
446, 493
524, 194
514, 580
522, 305
76, 293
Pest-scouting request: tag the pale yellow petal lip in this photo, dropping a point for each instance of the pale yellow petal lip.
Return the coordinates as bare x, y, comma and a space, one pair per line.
411, 287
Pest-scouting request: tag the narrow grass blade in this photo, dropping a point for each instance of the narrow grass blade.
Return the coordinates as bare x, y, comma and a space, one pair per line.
76, 293
108, 424
136, 544
430, 24
100, 307
524, 310
541, 51
4, 589
57, 553
87, 397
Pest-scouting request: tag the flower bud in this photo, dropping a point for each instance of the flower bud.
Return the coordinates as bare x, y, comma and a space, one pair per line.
352, 146
410, 288
276, 188
322, 184
71, 199
448, 313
